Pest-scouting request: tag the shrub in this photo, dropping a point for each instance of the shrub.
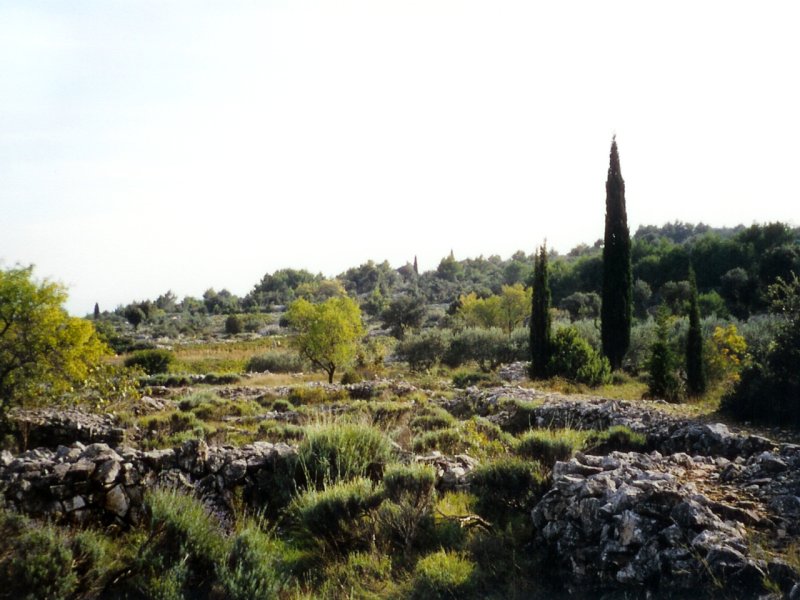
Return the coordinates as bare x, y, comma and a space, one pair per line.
431, 419
350, 377
334, 516
195, 399
336, 452
315, 395
446, 441
151, 361
275, 431
220, 378
389, 413
168, 380
38, 564
362, 575
508, 486
619, 437
410, 493
465, 379
444, 575
551, 445
185, 549
523, 415
234, 325
425, 350
253, 568
276, 362
487, 347
663, 381
574, 359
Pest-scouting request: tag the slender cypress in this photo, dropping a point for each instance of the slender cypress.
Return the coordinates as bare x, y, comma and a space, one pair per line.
96, 311
695, 370
541, 345
615, 312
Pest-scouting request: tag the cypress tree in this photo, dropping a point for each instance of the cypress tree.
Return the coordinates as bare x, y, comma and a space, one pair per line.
615, 312
662, 382
96, 311
541, 345
695, 370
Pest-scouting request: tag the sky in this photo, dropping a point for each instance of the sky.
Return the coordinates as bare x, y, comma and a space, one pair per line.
154, 145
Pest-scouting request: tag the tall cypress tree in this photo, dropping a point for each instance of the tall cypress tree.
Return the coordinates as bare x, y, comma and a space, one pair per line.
541, 345
615, 313
695, 370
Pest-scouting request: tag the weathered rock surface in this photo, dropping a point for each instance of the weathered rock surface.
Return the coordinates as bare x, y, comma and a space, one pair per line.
641, 522
51, 427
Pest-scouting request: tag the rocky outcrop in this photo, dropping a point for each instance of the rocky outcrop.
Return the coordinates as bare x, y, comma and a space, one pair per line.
641, 522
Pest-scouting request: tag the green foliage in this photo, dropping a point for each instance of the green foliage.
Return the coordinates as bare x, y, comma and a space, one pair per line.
404, 314
151, 361
663, 382
523, 415
446, 441
184, 550
443, 575
254, 566
341, 451
327, 333
574, 359
551, 445
541, 345
507, 487
362, 575
695, 364
39, 565
582, 305
431, 419
465, 379
425, 350
487, 347
409, 496
44, 353
769, 390
234, 324
334, 517
276, 362
507, 310
616, 309
306, 395
619, 437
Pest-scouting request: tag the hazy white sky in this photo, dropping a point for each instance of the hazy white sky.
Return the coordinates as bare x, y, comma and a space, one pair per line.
154, 145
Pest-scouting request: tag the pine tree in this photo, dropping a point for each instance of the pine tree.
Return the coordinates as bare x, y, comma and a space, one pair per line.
541, 343
695, 369
617, 281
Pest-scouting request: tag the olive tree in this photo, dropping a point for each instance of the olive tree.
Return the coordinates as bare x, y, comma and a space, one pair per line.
327, 333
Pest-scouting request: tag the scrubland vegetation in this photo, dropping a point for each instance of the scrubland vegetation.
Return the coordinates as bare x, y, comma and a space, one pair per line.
711, 318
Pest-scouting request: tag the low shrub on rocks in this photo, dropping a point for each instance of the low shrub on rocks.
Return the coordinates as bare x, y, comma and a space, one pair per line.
551, 445
507, 487
443, 575
151, 362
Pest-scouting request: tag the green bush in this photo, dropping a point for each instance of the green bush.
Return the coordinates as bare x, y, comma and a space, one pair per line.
425, 350
465, 379
234, 325
253, 568
334, 517
38, 564
220, 378
336, 452
275, 431
551, 445
388, 413
619, 437
300, 396
523, 415
367, 576
409, 492
151, 361
196, 399
184, 550
168, 380
487, 347
443, 575
446, 441
351, 377
431, 419
507, 487
276, 362
574, 359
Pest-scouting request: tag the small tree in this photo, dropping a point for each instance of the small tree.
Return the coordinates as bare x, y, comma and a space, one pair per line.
234, 325
134, 315
695, 368
617, 278
406, 312
327, 333
662, 381
96, 314
44, 352
540, 325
